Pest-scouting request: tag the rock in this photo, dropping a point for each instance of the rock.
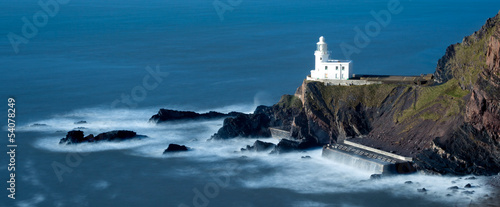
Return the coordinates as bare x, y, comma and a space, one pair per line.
175, 148
448, 195
306, 157
165, 115
453, 188
77, 136
286, 145
79, 128
244, 125
259, 146
408, 182
375, 176
468, 185
422, 190
73, 137
81, 122
471, 178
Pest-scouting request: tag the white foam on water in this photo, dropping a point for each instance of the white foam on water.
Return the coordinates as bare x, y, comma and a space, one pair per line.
255, 170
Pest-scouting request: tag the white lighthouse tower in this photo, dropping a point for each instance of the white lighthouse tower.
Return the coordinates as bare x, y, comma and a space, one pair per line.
321, 53
327, 69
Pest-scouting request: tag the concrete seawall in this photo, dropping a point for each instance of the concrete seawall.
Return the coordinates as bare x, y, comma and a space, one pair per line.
362, 157
279, 133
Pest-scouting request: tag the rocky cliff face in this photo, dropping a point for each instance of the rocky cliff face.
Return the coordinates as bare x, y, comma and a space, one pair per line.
452, 127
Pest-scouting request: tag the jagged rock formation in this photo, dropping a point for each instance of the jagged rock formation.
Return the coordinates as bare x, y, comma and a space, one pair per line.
165, 115
452, 127
77, 136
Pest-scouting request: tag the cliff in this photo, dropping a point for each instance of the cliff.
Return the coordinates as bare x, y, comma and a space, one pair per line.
450, 127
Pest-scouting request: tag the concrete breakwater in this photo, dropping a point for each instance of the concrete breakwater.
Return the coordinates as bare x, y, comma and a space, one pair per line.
360, 156
368, 159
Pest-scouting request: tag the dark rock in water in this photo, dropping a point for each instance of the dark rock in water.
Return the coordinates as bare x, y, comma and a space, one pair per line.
306, 157
448, 195
408, 182
286, 145
77, 136
453, 188
468, 185
471, 178
172, 115
79, 128
175, 148
38, 125
244, 125
421, 190
81, 122
259, 146
375, 176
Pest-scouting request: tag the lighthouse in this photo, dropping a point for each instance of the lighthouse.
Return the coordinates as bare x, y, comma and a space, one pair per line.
326, 68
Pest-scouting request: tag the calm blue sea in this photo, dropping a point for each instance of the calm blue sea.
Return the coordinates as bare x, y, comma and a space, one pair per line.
96, 61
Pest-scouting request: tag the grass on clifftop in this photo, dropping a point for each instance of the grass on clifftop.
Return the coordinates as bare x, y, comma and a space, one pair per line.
449, 96
369, 95
290, 101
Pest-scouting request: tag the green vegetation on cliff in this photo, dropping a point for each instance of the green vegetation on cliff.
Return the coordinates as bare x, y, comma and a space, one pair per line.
290, 101
367, 95
470, 56
445, 100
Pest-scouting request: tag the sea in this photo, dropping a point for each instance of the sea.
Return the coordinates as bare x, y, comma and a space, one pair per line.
114, 64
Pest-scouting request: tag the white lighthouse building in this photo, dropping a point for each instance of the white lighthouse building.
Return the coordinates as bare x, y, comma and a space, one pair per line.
327, 69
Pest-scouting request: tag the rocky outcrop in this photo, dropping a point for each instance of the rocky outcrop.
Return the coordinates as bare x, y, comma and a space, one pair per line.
259, 146
165, 115
285, 146
280, 115
474, 147
175, 148
77, 136
244, 125
443, 72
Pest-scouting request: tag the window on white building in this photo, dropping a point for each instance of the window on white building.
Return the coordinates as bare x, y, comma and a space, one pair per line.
326, 67
342, 67
336, 67
336, 75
